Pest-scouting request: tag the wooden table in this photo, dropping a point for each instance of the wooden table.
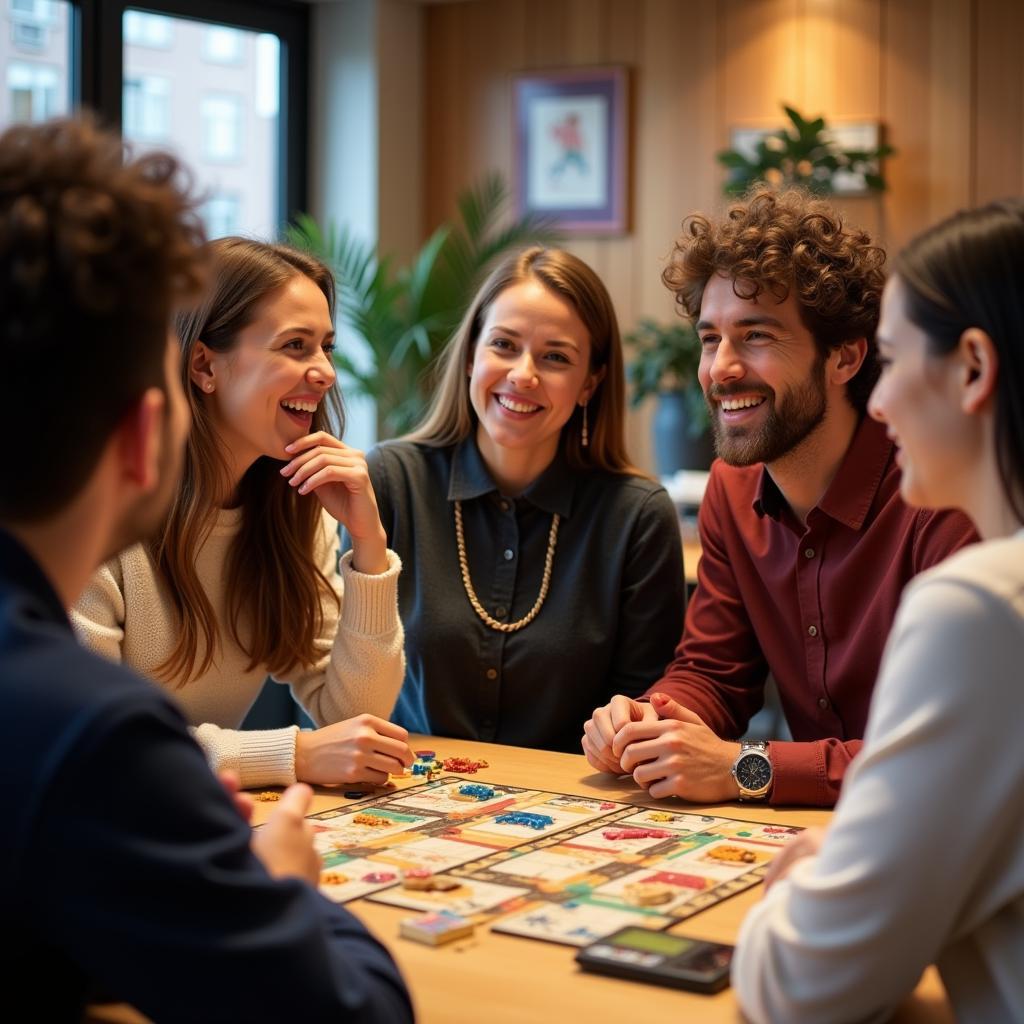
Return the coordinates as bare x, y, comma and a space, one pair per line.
501, 979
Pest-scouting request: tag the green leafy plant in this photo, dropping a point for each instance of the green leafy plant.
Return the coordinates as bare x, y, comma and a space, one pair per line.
665, 359
406, 314
802, 153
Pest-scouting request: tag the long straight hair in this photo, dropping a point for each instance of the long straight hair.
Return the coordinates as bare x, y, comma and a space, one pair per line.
275, 589
450, 418
965, 272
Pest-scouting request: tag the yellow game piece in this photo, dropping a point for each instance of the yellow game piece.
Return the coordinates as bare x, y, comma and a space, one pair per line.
648, 894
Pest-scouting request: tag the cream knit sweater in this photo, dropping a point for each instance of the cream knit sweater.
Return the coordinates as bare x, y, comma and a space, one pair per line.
126, 615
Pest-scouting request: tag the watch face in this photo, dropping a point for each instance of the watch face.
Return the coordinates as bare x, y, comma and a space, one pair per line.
753, 771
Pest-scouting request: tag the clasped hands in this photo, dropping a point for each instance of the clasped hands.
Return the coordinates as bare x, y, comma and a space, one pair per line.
667, 748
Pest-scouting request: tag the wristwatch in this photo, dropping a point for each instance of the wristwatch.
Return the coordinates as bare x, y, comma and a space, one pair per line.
752, 770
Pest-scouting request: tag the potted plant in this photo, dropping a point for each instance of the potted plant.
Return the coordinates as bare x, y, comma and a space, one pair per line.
406, 314
802, 153
664, 364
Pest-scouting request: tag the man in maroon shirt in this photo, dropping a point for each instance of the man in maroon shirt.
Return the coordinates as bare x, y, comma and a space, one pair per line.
807, 544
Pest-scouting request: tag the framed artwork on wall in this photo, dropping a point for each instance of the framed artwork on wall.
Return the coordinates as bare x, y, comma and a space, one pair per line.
572, 148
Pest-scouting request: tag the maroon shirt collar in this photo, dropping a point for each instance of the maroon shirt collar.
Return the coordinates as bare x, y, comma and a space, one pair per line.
853, 488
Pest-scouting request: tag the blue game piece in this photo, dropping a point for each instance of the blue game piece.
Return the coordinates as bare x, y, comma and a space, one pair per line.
420, 768
534, 821
477, 790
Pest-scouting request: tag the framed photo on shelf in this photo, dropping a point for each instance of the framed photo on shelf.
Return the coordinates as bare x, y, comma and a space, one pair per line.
572, 148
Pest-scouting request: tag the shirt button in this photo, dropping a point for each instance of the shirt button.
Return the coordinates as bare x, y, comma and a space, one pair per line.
508, 554
823, 703
812, 630
504, 505
492, 673
499, 612
808, 552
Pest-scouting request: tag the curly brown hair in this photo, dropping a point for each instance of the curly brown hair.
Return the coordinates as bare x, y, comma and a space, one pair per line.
96, 251
789, 241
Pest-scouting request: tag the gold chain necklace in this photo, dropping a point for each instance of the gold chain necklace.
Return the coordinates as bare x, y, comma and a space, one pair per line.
504, 627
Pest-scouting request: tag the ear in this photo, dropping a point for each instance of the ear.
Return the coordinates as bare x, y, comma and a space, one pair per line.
846, 360
979, 371
140, 437
200, 366
591, 385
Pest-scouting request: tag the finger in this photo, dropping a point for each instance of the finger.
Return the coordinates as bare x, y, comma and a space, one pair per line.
296, 800
318, 437
647, 772
245, 805
230, 780
635, 732
602, 720
669, 708
364, 773
624, 710
355, 483
385, 728
396, 750
640, 753
597, 758
352, 474
663, 789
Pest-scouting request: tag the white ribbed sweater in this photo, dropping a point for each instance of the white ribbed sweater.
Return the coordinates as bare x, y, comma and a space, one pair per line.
125, 614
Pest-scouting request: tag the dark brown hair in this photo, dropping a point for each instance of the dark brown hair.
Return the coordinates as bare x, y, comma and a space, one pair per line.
450, 417
966, 272
275, 587
783, 242
96, 250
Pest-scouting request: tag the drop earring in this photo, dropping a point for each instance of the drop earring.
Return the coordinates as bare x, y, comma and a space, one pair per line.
585, 439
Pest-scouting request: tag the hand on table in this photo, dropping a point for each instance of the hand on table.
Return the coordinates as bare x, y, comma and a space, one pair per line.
600, 730
284, 845
807, 844
338, 476
361, 749
677, 755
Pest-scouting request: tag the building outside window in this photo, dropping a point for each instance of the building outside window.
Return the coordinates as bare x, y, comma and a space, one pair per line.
33, 93
35, 60
146, 108
223, 45
222, 128
152, 30
222, 215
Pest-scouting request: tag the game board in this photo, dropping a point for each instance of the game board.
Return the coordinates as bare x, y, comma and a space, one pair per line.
568, 881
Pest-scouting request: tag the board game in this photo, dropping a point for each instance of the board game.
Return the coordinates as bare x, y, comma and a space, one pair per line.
551, 866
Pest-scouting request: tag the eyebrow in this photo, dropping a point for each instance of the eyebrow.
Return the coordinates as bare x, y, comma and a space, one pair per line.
308, 331
554, 342
747, 321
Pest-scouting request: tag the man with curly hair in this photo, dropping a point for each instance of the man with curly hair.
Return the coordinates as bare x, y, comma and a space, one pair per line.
144, 883
806, 542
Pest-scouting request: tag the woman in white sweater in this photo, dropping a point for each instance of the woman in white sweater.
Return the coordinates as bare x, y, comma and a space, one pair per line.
244, 580
924, 860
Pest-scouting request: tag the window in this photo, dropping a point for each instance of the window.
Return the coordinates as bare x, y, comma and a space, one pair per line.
222, 45
33, 93
146, 110
153, 30
221, 119
35, 64
222, 215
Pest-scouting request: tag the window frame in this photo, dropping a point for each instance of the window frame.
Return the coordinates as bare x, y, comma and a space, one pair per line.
98, 64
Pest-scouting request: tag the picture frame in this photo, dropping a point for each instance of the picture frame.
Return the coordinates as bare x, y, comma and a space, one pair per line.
572, 148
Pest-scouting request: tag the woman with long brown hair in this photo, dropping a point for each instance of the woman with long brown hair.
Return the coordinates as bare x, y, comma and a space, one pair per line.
543, 570
244, 579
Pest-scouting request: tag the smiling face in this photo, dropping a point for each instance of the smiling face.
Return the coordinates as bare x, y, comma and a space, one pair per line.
266, 388
762, 374
918, 400
530, 369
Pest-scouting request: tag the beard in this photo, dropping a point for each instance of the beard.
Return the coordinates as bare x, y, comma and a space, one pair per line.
788, 421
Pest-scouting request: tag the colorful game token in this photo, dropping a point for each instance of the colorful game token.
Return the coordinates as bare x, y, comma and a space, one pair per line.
435, 929
333, 878
371, 821
534, 821
267, 797
637, 833
423, 880
476, 791
426, 755
354, 794
376, 877
463, 765
648, 894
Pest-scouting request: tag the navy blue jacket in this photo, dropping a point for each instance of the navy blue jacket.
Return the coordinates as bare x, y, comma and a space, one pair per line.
124, 867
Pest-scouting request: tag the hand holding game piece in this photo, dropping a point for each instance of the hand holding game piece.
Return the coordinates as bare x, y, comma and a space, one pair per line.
807, 844
284, 844
601, 728
677, 755
337, 474
361, 749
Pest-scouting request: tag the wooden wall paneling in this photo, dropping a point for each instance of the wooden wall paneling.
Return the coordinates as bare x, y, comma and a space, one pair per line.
951, 109
906, 105
999, 112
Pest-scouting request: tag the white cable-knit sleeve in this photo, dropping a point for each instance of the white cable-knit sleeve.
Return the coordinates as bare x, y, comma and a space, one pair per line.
363, 658
261, 757
98, 617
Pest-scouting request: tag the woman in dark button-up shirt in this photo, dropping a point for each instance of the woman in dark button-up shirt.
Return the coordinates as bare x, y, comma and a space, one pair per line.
521, 463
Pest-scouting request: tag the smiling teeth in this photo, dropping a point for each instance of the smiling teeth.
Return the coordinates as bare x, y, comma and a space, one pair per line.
514, 406
735, 404
299, 406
